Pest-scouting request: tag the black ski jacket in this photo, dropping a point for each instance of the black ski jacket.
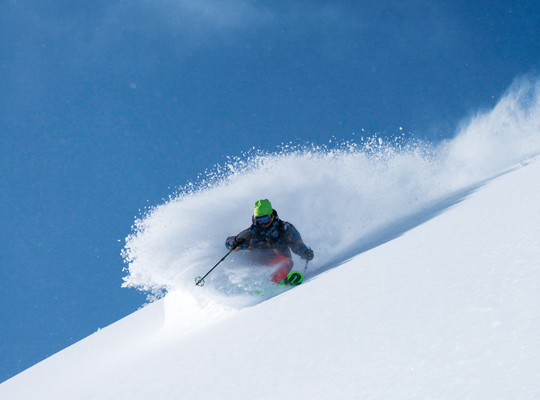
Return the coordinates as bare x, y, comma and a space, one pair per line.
278, 238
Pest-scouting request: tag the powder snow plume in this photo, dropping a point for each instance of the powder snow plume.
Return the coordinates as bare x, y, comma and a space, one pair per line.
335, 197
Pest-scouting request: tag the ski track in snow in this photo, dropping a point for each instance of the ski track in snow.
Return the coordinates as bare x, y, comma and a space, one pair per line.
344, 201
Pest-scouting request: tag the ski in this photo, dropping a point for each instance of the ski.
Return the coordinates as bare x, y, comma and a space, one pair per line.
294, 278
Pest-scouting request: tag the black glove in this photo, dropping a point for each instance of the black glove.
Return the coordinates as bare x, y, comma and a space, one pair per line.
233, 242
307, 255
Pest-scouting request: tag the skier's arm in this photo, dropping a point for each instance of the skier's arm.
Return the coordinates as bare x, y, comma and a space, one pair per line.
240, 241
294, 240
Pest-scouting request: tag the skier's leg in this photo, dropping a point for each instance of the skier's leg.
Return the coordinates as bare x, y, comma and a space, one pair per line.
285, 266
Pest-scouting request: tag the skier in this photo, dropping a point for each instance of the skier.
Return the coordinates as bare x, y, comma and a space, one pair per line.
271, 238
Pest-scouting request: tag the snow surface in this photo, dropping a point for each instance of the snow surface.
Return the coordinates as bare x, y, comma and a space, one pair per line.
425, 282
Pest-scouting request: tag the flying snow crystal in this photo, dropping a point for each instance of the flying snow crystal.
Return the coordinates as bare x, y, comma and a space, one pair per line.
335, 196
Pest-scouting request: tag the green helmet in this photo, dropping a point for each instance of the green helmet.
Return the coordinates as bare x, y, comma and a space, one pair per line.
262, 208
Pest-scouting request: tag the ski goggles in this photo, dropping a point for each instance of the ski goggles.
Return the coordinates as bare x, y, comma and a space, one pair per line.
266, 219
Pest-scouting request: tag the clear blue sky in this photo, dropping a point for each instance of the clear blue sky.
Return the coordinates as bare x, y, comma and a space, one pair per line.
107, 106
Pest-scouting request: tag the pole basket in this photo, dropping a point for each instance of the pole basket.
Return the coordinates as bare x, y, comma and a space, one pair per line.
199, 281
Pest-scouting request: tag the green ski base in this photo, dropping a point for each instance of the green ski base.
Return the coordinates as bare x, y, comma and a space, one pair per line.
294, 278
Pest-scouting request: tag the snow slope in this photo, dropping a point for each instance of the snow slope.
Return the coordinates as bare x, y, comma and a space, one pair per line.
435, 298
448, 310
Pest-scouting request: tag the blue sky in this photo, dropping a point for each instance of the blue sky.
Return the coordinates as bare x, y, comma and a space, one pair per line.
106, 107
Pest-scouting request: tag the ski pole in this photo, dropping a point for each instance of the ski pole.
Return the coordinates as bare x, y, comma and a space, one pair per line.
305, 269
200, 281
